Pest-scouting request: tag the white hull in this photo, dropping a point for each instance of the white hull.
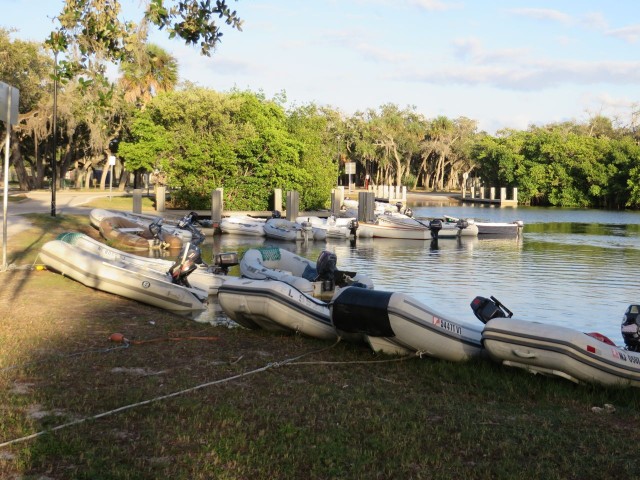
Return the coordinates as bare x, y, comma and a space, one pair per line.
395, 323
560, 351
93, 271
280, 264
401, 221
200, 278
490, 228
275, 306
500, 229
368, 230
243, 226
451, 231
338, 228
282, 229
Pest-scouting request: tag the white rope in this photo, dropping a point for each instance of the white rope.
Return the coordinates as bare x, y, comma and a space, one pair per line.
157, 399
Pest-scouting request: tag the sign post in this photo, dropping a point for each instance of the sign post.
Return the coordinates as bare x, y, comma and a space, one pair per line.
112, 162
350, 169
9, 99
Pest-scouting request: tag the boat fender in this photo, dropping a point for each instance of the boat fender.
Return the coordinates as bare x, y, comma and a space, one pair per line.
359, 310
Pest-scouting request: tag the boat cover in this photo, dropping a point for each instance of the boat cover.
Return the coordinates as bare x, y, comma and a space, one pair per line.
360, 310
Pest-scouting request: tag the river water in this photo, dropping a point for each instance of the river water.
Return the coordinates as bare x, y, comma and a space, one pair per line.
577, 268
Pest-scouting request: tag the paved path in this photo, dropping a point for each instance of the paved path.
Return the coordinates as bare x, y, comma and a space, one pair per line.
39, 201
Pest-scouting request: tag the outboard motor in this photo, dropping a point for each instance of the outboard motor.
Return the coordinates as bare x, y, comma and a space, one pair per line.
631, 328
327, 266
435, 226
188, 223
462, 224
353, 227
487, 308
189, 219
307, 230
222, 262
155, 228
399, 206
276, 214
188, 260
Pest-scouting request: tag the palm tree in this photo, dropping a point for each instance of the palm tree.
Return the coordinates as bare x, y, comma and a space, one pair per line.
152, 71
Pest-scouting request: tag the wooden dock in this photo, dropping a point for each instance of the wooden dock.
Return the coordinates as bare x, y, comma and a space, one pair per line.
479, 196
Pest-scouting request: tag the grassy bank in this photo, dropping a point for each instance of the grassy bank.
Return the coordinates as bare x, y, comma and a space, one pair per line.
270, 406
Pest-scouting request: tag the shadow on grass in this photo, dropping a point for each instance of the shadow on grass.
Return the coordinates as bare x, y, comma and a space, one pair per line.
25, 246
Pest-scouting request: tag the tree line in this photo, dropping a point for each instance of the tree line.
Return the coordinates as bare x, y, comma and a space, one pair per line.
195, 139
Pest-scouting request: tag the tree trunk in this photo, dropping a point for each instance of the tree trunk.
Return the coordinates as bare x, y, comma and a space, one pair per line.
87, 180
18, 163
124, 180
64, 164
78, 176
103, 177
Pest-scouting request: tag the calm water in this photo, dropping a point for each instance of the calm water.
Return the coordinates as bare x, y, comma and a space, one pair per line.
579, 268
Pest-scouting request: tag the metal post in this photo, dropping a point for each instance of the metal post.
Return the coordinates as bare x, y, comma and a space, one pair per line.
137, 200
217, 206
6, 182
55, 133
112, 162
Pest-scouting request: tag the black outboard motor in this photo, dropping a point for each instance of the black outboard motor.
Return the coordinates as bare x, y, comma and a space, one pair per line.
155, 228
327, 267
631, 328
353, 227
487, 308
188, 222
222, 262
276, 214
189, 219
399, 206
188, 260
462, 224
435, 226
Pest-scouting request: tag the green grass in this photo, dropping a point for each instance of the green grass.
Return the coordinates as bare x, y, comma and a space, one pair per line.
338, 411
124, 202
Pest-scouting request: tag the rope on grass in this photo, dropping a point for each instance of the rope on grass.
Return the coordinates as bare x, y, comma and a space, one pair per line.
356, 362
160, 398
